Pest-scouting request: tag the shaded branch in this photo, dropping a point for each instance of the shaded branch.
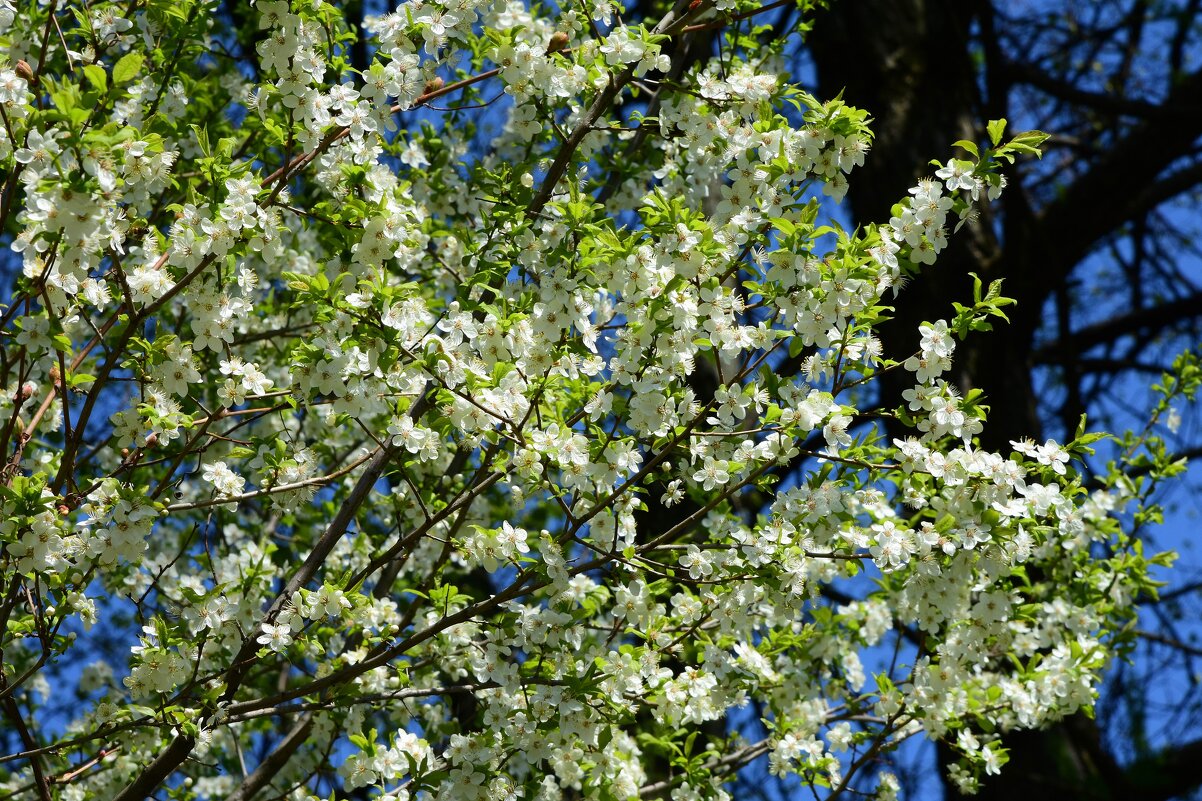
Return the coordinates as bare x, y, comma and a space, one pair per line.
1091, 207
1149, 319
1169, 774
1172, 642
1025, 73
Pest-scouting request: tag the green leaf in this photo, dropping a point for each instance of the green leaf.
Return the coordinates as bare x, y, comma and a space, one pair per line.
202, 139
77, 380
783, 225
127, 68
969, 146
996, 128
1028, 142
97, 77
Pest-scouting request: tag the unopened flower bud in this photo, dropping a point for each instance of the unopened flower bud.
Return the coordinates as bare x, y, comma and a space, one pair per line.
27, 390
558, 42
152, 439
25, 71
433, 85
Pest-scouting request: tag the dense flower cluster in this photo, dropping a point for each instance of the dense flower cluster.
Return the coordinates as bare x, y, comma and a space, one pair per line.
509, 451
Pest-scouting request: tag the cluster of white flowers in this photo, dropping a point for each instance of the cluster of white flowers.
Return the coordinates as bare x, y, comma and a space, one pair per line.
156, 669
492, 548
408, 751
41, 548
225, 481
115, 523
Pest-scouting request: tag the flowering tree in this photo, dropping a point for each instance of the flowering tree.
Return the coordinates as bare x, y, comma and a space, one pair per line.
527, 449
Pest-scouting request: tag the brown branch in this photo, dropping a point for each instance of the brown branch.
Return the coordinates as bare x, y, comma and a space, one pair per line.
182, 745
262, 775
730, 762
14, 716
722, 23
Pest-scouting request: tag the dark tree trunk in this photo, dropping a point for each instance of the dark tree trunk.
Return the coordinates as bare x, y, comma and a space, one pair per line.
913, 71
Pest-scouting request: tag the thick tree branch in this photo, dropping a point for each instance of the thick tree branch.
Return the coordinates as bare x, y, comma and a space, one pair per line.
1171, 642
262, 775
1164, 190
1146, 320
14, 716
1029, 75
1169, 774
1067, 229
